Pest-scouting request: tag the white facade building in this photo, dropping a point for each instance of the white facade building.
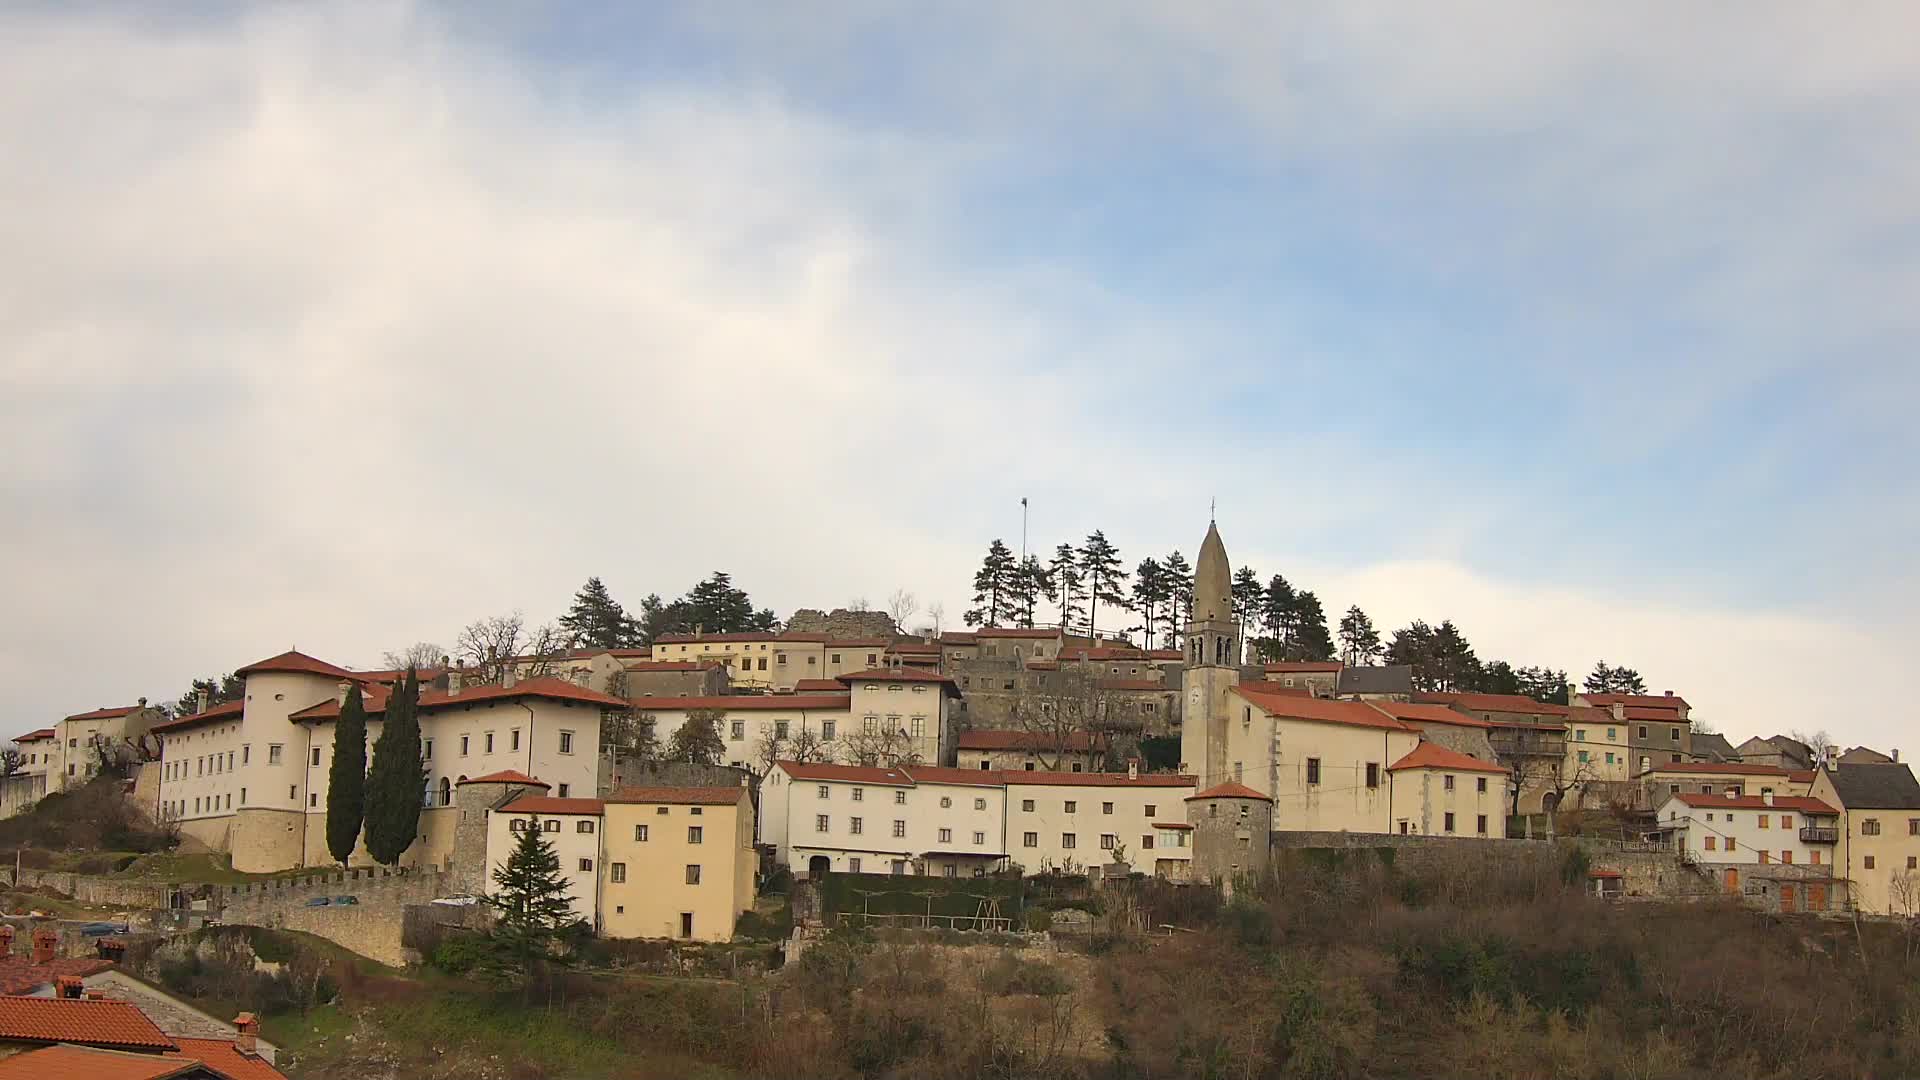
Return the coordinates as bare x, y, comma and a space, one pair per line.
572, 826
1071, 821
1784, 829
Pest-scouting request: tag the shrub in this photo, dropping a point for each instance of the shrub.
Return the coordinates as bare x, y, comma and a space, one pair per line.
1013, 974
460, 954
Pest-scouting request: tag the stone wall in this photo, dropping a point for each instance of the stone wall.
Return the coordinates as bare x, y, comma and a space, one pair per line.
103, 891
1417, 852
372, 927
841, 623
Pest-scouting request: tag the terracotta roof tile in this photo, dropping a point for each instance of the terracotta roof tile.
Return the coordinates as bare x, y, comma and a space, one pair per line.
297, 663
1755, 802
507, 776
1428, 714
992, 739
118, 1024
1296, 707
1720, 768
1228, 790
1081, 779
1434, 756
86, 1063
746, 702
223, 1057
916, 648
552, 689
859, 774
679, 796
20, 975
106, 714
818, 686
894, 675
226, 710
543, 804
1499, 703
36, 736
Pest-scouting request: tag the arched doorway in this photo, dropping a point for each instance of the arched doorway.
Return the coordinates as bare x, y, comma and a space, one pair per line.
446, 792
819, 866
1551, 802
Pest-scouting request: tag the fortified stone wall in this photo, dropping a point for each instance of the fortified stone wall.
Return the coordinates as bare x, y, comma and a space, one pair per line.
372, 927
841, 623
104, 891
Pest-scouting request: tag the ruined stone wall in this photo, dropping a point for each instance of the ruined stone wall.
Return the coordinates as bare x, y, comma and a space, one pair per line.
102, 891
841, 623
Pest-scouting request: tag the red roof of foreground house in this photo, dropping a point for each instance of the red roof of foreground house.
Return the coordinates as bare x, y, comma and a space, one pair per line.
107, 714
1499, 703
507, 776
1648, 701
542, 804
36, 736
745, 702
678, 796
1428, 714
1299, 707
226, 710
909, 647
118, 1024
223, 1057
297, 663
20, 975
859, 774
991, 739
1755, 802
1801, 776
903, 674
374, 698
86, 1063
1287, 667
1665, 716
1228, 790
818, 686
1434, 756
1721, 768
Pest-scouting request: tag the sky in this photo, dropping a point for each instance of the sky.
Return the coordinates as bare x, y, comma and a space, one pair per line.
1589, 327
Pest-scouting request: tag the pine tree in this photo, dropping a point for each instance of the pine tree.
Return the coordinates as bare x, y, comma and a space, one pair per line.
1543, 684
1413, 646
1359, 641
698, 738
1151, 593
1101, 568
1455, 666
1249, 599
1310, 638
1613, 680
993, 587
531, 896
397, 781
1064, 573
1030, 582
347, 778
1281, 615
1179, 596
597, 620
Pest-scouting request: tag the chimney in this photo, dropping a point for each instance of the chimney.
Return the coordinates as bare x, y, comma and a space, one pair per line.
1619, 712
69, 987
206, 700
6, 939
1669, 693
454, 679
96, 995
340, 694
510, 674
1896, 754
46, 942
143, 703
1767, 797
111, 949
246, 1030
1133, 768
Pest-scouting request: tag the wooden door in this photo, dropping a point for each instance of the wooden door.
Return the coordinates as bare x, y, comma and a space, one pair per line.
1816, 898
1786, 897
1732, 878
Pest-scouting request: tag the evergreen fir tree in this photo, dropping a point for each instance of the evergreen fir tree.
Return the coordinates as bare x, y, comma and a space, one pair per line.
698, 738
1100, 568
1359, 641
1281, 614
1064, 572
397, 781
1151, 593
347, 778
994, 585
1309, 629
530, 896
597, 620
1179, 596
1030, 582
1613, 680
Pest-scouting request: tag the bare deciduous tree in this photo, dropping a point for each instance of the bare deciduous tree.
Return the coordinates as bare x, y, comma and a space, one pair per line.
1066, 712
802, 743
487, 646
901, 606
1819, 742
11, 761
936, 615
883, 745
420, 654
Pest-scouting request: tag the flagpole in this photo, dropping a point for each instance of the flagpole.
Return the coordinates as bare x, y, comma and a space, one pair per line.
1023, 529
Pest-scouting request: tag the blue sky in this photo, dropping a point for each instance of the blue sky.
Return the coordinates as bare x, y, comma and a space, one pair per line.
1590, 329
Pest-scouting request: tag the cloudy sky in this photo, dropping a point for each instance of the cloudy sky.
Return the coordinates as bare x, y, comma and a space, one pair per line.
1589, 327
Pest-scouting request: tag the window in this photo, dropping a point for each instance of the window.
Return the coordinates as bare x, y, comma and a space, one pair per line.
820, 823
948, 870
1031, 839
979, 838
246, 754
693, 878
1026, 805
617, 872
426, 749
1313, 770
822, 792
899, 828
489, 743
1146, 842
1107, 840
292, 792
566, 742
780, 729
899, 798
1076, 767
563, 790
1447, 783
1449, 822
694, 833
870, 725
859, 794
826, 730
313, 799
1913, 861
1480, 825
1867, 862
737, 730
640, 833
1673, 734
464, 741
694, 810
1763, 820
585, 827
1870, 827
1067, 841
763, 663
979, 804
919, 727
550, 826
316, 757
1814, 856
1152, 810
946, 836
1072, 806
513, 739
1481, 787
853, 865
1373, 774
660, 811
1786, 857
1913, 826
273, 754
855, 825
946, 802
1106, 808
1710, 843
836, 658
586, 865
1729, 843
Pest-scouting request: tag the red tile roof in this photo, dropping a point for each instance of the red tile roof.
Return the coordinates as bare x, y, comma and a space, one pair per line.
818, 686
223, 1057
678, 796
895, 675
1131, 684
1721, 768
751, 635
298, 663
936, 774
36, 736
1665, 716
1801, 776
1293, 666
991, 739
1297, 707
86, 1063
106, 714
1499, 703
1651, 701
552, 689
1228, 790
226, 710
80, 1020
1755, 802
507, 776
1083, 779
907, 775
1434, 756
543, 804
747, 702
1103, 652
20, 975
674, 665
1014, 632
859, 774
913, 647
1428, 714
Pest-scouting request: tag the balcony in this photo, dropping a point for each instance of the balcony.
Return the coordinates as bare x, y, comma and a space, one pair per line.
1814, 835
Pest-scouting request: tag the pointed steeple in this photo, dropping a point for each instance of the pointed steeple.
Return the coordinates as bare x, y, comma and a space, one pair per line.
1212, 580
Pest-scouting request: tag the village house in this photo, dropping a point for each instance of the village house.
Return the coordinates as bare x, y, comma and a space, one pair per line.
1879, 843
67, 754
1072, 821
1323, 763
1530, 738
1779, 751
1028, 751
773, 661
572, 826
1321, 678
1651, 788
907, 819
1597, 746
1734, 836
1442, 792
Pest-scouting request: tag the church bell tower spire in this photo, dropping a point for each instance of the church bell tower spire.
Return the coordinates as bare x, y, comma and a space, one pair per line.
1212, 664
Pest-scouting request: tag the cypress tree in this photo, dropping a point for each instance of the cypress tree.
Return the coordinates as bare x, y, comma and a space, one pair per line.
347, 779
398, 781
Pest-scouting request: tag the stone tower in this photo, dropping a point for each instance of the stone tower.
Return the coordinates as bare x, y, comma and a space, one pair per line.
1212, 665
1232, 833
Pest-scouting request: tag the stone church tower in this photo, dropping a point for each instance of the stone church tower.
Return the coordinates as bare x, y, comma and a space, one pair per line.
1212, 665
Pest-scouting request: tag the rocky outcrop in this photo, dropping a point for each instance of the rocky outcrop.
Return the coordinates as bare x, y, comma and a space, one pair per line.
841, 623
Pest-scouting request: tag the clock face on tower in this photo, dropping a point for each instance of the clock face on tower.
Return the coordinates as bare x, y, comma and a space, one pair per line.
1196, 701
